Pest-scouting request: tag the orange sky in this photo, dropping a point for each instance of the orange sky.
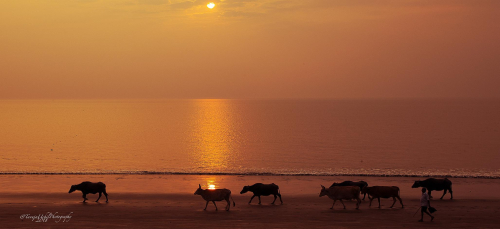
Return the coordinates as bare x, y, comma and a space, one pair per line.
114, 49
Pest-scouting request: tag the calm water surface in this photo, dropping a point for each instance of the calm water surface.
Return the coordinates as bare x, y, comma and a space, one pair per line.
398, 137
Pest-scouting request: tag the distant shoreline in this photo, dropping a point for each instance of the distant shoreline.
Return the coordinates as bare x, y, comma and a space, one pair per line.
246, 174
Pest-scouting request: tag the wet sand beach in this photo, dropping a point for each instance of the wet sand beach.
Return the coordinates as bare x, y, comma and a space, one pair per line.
167, 201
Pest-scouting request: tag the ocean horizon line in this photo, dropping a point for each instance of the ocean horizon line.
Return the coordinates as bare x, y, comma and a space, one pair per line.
252, 174
260, 99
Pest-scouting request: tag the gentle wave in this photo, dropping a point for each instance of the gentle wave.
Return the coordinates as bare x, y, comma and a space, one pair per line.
249, 174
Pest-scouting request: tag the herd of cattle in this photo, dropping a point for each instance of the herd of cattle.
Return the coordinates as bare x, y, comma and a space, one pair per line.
347, 190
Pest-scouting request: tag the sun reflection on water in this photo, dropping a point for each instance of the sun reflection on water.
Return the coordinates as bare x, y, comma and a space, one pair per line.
213, 136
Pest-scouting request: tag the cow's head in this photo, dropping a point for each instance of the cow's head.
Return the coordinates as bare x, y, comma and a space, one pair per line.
416, 184
199, 190
364, 190
72, 189
323, 192
245, 189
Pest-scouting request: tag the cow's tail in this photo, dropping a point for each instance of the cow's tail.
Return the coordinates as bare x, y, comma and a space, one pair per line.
234, 204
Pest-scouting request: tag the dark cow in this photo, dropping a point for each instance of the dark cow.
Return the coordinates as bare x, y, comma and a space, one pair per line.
260, 189
435, 184
360, 184
89, 187
382, 192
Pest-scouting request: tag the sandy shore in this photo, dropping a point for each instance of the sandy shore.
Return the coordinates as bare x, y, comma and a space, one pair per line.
167, 201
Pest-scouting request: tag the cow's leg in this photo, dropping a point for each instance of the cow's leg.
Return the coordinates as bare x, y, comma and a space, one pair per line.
364, 196
393, 198
251, 199
106, 195
400, 201
84, 197
333, 204
378, 202
451, 193
371, 199
274, 199
358, 201
259, 199
228, 204
430, 196
100, 194
342, 203
280, 198
444, 193
215, 206
206, 205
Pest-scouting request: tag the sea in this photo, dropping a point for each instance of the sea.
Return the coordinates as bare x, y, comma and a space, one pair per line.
406, 137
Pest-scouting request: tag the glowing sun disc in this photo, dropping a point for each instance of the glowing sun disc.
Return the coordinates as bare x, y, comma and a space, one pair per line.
211, 5
211, 186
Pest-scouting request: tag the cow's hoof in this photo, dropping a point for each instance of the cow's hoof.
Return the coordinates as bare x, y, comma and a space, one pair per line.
272, 203
331, 208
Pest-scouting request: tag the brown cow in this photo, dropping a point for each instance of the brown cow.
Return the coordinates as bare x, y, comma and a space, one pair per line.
382, 192
341, 193
215, 195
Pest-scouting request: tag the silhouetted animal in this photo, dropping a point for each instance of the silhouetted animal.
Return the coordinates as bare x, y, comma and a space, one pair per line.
260, 189
360, 184
435, 184
89, 187
215, 195
341, 193
382, 192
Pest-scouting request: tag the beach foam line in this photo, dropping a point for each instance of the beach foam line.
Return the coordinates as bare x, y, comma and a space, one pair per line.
250, 174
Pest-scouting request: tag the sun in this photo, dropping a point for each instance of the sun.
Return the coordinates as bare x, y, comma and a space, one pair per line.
211, 5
